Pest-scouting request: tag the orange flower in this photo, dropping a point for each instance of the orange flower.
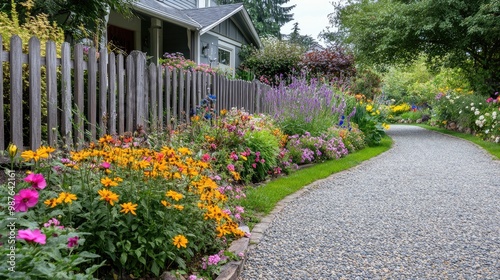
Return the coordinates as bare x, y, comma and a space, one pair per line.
109, 196
107, 182
180, 241
128, 207
174, 195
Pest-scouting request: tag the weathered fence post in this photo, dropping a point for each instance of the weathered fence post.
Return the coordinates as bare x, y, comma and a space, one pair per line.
16, 91
35, 92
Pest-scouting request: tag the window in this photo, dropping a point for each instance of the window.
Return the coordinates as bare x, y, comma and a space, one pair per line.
224, 57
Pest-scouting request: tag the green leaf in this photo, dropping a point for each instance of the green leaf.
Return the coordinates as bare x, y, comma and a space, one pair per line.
155, 269
123, 258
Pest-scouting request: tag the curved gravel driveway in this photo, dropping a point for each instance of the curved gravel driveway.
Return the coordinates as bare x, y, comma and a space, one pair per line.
429, 208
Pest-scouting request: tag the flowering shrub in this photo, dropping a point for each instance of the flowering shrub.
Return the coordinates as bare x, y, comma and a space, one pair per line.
178, 61
308, 149
333, 64
303, 106
353, 138
147, 210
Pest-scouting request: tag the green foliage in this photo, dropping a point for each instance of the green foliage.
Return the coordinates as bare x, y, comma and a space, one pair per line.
367, 83
274, 60
460, 32
295, 37
370, 124
267, 145
417, 83
267, 16
78, 19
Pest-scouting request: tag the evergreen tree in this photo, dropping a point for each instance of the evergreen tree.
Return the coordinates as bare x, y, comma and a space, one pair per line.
268, 16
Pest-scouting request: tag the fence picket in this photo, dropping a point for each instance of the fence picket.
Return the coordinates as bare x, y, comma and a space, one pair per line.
35, 92
79, 93
66, 95
120, 73
103, 90
92, 93
51, 80
16, 91
112, 94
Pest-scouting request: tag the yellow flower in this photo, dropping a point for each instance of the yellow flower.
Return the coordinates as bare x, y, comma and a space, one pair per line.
107, 182
109, 196
174, 195
128, 207
165, 203
386, 126
184, 151
66, 197
180, 241
223, 112
195, 118
12, 149
51, 202
369, 108
179, 207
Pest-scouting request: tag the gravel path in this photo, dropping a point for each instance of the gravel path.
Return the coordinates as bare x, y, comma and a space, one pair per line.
427, 209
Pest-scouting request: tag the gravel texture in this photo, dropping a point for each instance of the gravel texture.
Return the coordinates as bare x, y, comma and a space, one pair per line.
429, 208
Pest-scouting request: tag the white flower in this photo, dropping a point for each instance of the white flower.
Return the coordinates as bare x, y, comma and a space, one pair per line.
497, 139
472, 104
460, 112
487, 114
472, 108
477, 112
487, 131
481, 117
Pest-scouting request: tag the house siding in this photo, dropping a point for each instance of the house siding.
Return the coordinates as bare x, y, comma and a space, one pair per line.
182, 4
228, 29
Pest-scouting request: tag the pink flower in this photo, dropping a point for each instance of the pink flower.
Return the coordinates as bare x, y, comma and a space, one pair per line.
489, 100
230, 167
105, 165
26, 198
254, 165
205, 158
233, 156
240, 209
29, 235
213, 260
36, 180
73, 241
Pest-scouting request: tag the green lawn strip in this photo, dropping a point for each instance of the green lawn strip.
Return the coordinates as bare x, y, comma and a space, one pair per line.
490, 147
261, 200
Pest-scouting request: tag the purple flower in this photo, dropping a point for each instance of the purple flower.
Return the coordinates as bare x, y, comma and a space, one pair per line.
213, 259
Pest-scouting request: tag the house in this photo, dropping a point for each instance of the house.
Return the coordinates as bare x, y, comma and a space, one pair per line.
201, 30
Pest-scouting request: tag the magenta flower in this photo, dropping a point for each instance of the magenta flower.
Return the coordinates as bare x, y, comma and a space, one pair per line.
105, 165
26, 198
230, 167
73, 241
205, 158
233, 156
213, 260
36, 181
35, 236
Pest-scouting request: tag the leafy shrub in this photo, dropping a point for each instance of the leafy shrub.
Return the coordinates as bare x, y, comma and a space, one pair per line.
370, 122
366, 83
265, 158
274, 61
333, 64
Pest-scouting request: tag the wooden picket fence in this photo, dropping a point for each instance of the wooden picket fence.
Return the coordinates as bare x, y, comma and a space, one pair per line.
89, 93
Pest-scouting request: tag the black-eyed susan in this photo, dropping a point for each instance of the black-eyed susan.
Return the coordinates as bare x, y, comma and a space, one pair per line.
174, 195
51, 202
107, 182
66, 197
180, 241
109, 196
128, 207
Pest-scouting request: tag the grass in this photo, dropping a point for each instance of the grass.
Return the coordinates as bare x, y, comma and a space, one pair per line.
261, 200
490, 147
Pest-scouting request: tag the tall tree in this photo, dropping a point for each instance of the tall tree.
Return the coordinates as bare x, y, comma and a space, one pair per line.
295, 37
79, 19
462, 33
268, 16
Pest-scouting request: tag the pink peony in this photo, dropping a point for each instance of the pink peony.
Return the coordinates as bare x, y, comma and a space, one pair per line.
25, 199
29, 235
36, 180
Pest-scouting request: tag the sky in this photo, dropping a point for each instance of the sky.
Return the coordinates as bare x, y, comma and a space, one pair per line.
312, 16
